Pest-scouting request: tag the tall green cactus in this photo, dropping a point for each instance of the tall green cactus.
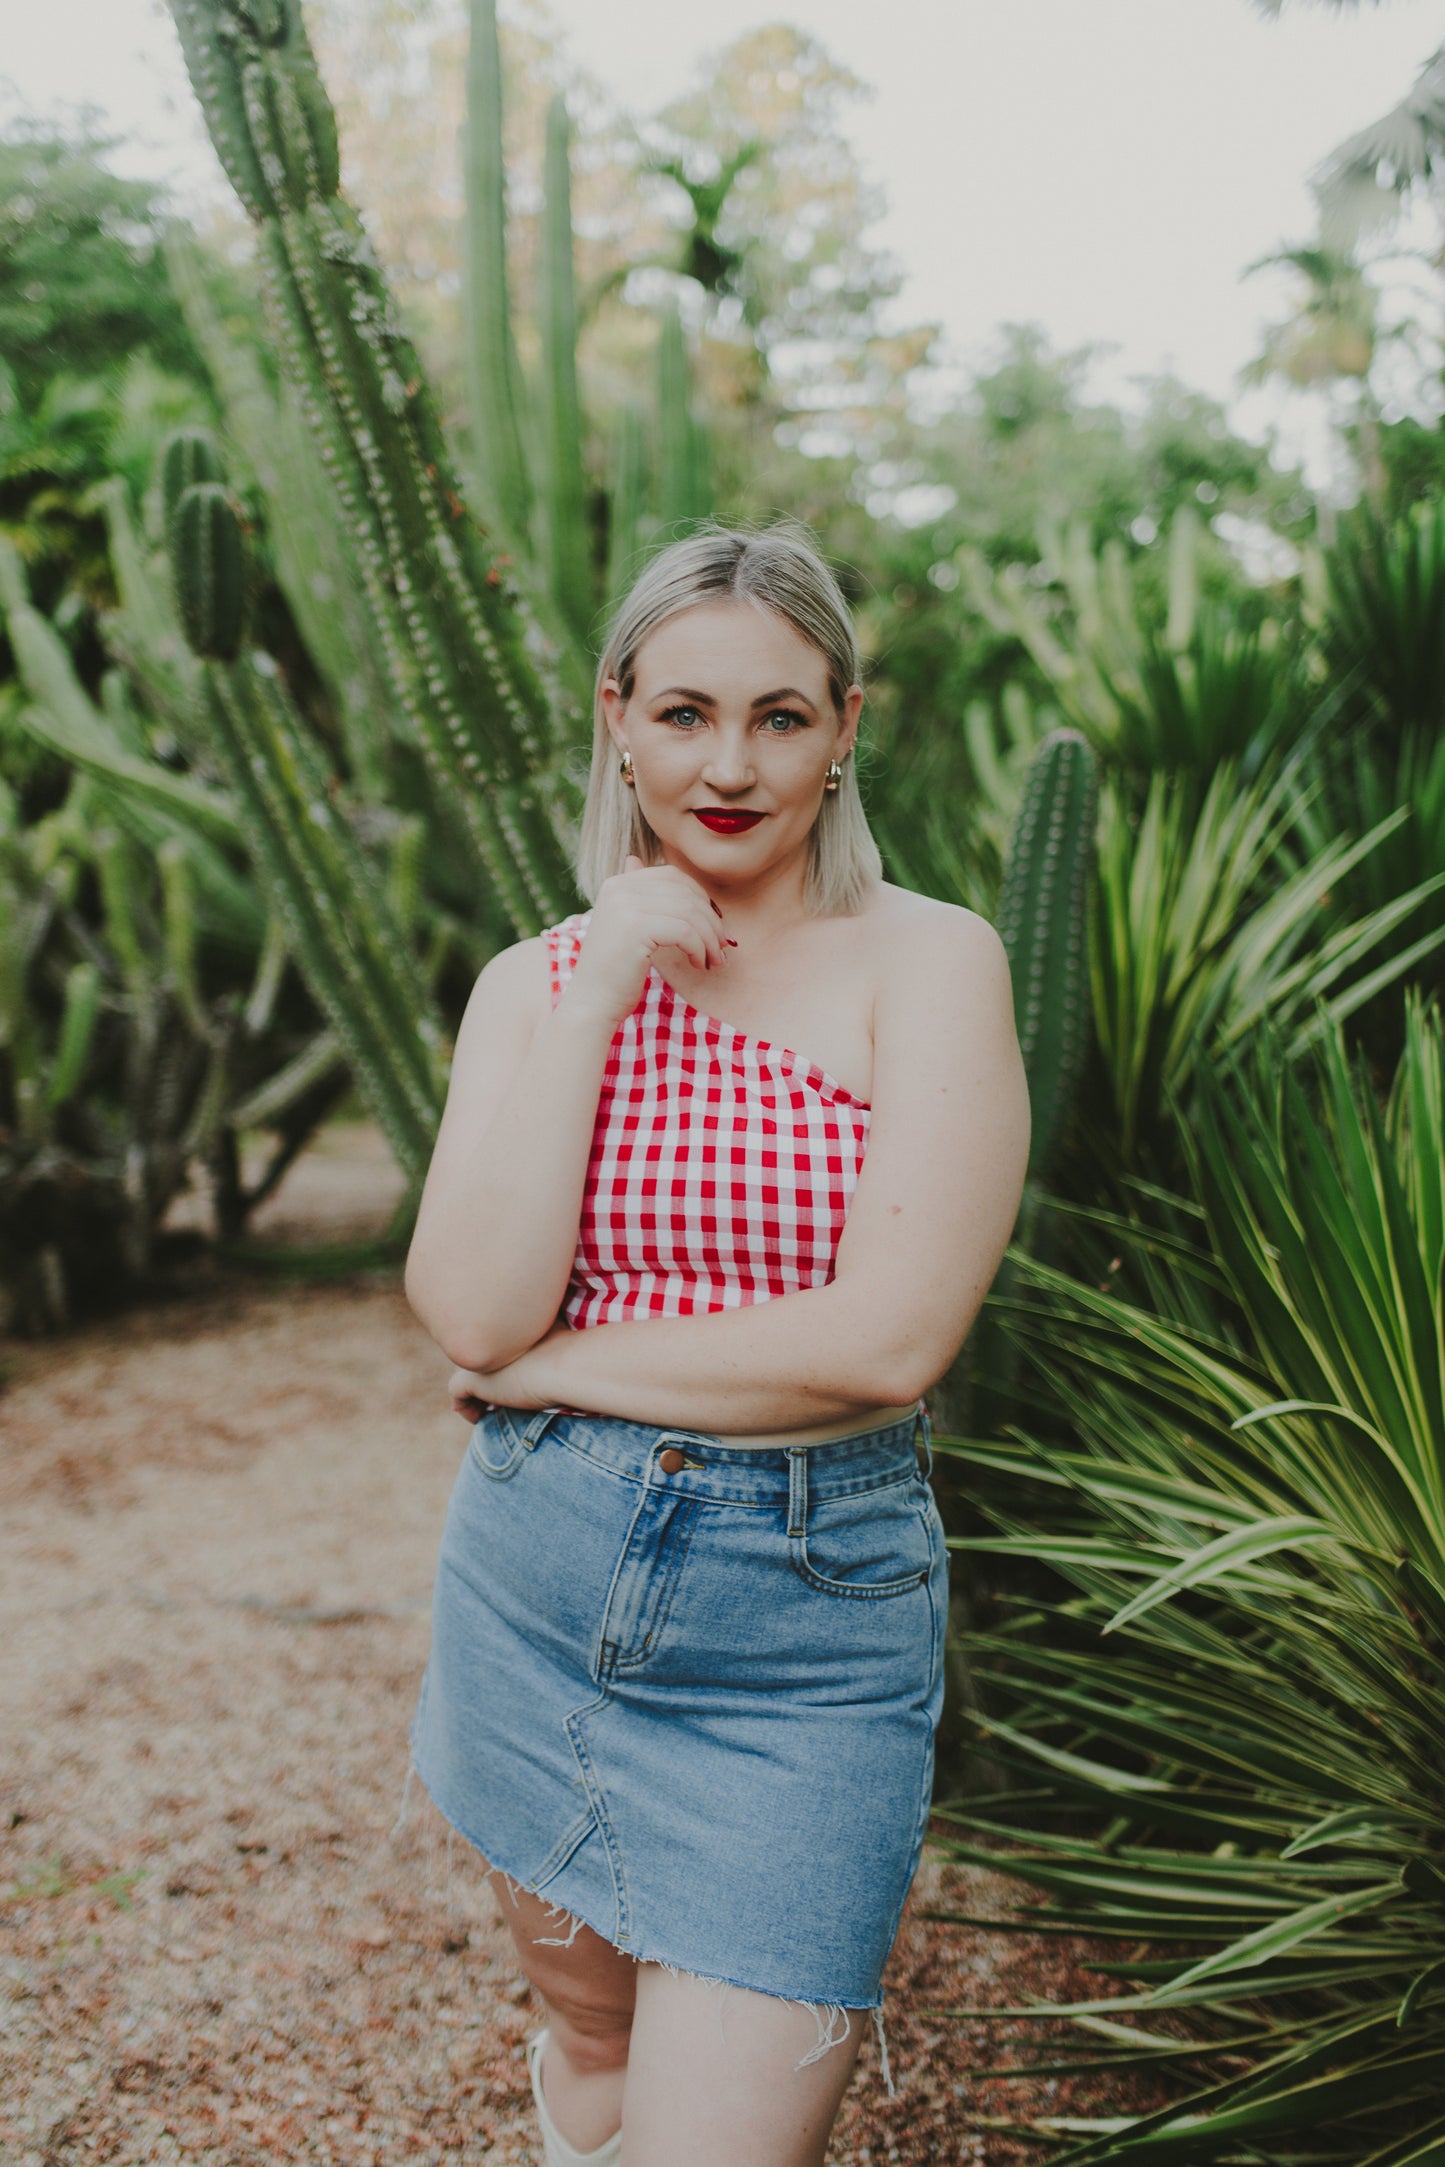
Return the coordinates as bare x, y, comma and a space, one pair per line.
564, 497
1043, 921
340, 924
469, 665
208, 561
684, 488
189, 456
493, 373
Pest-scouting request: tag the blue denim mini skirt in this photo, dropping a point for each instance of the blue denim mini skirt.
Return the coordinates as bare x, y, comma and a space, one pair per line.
688, 1692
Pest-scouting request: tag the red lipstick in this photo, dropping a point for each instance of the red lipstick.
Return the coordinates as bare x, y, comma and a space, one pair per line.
723, 822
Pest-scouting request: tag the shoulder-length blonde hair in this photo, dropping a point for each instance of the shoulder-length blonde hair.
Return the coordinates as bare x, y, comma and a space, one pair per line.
779, 568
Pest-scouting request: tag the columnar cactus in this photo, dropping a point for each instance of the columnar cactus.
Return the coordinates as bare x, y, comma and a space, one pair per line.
1043, 920
470, 669
565, 495
340, 925
208, 562
684, 490
188, 456
494, 376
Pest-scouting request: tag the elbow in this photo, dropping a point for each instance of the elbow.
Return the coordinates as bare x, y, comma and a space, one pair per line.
460, 1337
915, 1363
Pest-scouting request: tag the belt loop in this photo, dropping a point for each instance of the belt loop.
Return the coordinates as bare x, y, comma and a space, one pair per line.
922, 1418
797, 1489
536, 1429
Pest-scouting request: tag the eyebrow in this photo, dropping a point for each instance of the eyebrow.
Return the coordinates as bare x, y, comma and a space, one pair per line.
764, 699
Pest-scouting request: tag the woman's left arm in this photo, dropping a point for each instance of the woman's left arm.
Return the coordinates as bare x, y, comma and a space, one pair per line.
935, 1205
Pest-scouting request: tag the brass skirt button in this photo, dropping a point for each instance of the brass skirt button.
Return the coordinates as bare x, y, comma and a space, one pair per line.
671, 1461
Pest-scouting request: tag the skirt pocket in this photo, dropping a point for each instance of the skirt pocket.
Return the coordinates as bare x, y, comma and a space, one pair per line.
868, 1546
497, 1445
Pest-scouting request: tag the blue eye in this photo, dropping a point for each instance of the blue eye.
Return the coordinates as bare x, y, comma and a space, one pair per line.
671, 714
789, 715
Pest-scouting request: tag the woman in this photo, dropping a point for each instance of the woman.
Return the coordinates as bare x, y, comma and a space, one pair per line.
689, 1621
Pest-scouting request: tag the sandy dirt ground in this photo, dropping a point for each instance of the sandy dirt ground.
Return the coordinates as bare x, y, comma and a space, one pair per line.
218, 1517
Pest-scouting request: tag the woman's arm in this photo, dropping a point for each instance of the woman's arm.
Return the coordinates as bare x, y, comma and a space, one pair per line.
928, 1224
496, 1231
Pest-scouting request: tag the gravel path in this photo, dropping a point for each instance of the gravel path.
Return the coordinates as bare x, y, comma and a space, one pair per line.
217, 1525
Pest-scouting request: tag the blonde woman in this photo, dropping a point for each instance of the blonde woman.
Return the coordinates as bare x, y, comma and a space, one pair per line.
688, 1631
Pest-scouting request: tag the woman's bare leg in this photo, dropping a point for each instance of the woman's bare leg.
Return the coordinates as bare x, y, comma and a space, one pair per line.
711, 2080
588, 1989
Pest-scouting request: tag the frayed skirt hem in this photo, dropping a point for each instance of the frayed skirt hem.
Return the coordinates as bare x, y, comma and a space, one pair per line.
828, 2013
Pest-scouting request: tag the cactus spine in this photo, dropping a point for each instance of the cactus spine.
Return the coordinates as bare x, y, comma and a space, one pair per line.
469, 666
338, 921
1042, 922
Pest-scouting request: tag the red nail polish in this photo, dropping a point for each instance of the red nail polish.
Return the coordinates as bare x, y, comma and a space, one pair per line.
715, 907
730, 942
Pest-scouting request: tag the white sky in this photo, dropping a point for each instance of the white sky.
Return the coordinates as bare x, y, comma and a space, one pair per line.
1107, 168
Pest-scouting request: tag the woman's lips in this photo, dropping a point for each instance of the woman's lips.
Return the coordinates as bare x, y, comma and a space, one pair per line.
723, 823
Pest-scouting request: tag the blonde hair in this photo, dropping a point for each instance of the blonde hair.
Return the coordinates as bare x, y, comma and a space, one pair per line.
780, 568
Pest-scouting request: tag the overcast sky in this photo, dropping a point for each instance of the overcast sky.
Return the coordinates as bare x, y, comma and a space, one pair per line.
1106, 168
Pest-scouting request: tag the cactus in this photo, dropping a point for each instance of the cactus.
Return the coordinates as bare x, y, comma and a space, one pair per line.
340, 924
208, 563
1042, 922
277, 463
684, 491
469, 666
564, 497
493, 373
624, 505
187, 456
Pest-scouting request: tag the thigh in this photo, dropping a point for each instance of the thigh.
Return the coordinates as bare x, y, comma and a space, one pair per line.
577, 1971
712, 2075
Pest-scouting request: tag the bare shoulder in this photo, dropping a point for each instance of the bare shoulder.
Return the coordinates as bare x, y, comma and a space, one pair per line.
918, 943
513, 990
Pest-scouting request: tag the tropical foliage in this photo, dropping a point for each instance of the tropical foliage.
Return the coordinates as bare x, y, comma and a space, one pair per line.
300, 589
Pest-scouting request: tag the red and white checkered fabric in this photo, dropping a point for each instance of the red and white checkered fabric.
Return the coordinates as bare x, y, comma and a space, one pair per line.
722, 1167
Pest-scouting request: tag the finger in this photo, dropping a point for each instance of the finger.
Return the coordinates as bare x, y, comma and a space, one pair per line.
633, 863
697, 939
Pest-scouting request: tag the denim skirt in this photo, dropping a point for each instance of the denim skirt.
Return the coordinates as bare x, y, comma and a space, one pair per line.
687, 1693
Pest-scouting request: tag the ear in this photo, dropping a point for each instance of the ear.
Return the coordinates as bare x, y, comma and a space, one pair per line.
614, 707
848, 721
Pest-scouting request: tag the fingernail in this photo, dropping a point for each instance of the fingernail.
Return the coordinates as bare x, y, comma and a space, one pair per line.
715, 907
731, 943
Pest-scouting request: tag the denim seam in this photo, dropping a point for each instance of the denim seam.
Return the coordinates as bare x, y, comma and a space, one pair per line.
808, 1573
485, 1467
571, 1725
653, 1636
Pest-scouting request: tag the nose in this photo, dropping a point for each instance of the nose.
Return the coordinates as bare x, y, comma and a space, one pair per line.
729, 766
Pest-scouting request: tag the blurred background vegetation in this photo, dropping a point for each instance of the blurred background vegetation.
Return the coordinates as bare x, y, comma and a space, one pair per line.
309, 523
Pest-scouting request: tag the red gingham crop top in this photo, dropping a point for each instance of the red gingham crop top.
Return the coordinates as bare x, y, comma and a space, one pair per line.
722, 1167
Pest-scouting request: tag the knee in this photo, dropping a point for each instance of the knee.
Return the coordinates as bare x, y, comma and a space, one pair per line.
594, 2036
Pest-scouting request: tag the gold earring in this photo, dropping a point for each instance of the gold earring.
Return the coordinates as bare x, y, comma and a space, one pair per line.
626, 767
834, 776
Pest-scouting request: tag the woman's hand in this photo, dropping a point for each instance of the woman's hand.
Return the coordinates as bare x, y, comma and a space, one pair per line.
522, 1383
641, 914
470, 1391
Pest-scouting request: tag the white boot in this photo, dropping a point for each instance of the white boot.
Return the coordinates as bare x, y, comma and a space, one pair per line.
555, 2147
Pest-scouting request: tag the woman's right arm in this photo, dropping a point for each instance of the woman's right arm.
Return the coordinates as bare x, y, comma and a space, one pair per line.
496, 1232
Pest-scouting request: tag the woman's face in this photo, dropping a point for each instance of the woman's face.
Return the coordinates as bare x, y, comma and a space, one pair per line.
730, 712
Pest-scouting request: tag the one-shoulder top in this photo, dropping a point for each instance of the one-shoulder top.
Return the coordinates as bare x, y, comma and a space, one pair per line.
721, 1169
